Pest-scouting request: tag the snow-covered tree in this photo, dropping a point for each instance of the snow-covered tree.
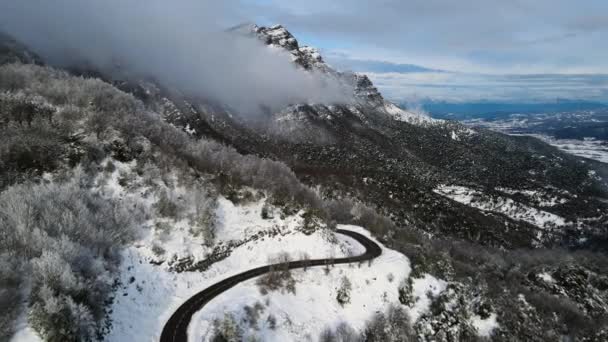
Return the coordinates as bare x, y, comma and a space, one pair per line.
343, 295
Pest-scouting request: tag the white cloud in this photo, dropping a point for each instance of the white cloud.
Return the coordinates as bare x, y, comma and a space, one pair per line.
182, 44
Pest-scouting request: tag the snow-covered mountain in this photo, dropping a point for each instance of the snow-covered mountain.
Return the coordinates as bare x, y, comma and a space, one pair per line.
399, 153
122, 198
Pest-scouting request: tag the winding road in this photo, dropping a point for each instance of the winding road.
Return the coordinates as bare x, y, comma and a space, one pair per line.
176, 328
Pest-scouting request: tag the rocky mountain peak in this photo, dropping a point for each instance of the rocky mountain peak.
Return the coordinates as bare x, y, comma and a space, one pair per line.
305, 56
277, 35
309, 58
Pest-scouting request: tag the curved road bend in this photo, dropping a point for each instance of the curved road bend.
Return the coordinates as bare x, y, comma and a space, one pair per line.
176, 328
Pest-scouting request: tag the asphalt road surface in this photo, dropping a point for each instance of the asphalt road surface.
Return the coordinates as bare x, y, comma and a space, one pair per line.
176, 328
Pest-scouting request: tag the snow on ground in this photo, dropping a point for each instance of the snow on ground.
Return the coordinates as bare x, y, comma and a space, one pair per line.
150, 289
542, 198
151, 293
409, 117
485, 326
546, 277
502, 205
314, 307
421, 287
454, 136
587, 148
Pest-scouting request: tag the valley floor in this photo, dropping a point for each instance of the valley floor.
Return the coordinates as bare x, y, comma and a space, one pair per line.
586, 148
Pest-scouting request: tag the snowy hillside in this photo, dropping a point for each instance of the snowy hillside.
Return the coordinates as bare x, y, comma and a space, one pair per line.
169, 262
128, 204
506, 206
254, 233
544, 221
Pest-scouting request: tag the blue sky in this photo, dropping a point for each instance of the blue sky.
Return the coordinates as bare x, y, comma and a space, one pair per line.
484, 44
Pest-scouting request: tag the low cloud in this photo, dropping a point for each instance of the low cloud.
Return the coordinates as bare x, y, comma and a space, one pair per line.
182, 44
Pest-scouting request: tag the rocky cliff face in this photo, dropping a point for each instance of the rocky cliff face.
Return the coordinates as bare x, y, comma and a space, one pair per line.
277, 36
310, 59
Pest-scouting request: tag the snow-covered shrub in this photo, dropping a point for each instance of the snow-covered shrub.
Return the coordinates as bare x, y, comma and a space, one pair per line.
157, 249
394, 326
23, 109
343, 293
203, 221
252, 314
343, 333
449, 316
166, 206
272, 322
58, 317
312, 221
227, 330
266, 212
279, 277
70, 237
162, 229
368, 217
29, 149
406, 296
110, 167
239, 196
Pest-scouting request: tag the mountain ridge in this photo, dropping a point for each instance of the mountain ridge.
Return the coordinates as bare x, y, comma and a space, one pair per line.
388, 144
502, 229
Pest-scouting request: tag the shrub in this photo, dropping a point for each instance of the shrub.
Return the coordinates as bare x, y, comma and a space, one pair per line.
227, 330
70, 238
266, 213
343, 333
29, 149
166, 206
343, 295
158, 250
58, 317
252, 314
204, 220
394, 326
406, 296
272, 322
279, 277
